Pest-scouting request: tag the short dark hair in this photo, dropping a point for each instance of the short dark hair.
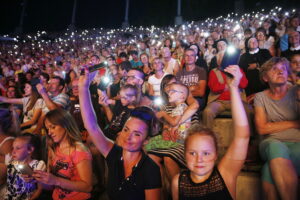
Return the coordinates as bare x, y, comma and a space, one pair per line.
123, 55
140, 71
46, 76
125, 65
147, 115
61, 80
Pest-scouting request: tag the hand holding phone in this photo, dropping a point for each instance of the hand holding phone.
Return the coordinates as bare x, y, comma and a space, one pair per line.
231, 57
25, 169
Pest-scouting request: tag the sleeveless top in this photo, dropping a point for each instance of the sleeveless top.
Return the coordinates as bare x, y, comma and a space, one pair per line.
211, 189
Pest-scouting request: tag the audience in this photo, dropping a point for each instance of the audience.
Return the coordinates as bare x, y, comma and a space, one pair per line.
142, 67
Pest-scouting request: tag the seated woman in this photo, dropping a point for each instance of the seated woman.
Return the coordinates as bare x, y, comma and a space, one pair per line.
132, 174
277, 119
204, 180
70, 172
32, 106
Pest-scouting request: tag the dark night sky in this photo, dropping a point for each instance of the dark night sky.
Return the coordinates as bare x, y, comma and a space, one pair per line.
54, 15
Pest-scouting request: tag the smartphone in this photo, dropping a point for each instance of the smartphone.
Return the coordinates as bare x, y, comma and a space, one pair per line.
25, 169
95, 67
231, 57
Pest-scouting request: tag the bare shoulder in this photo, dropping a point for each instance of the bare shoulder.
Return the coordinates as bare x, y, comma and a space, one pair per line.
79, 146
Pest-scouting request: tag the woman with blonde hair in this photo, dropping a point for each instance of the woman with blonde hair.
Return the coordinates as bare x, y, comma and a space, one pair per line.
69, 161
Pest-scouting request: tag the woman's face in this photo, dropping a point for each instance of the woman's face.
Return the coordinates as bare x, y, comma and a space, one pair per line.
27, 89
252, 43
127, 97
221, 46
144, 59
260, 36
133, 135
56, 132
210, 41
277, 75
295, 64
200, 154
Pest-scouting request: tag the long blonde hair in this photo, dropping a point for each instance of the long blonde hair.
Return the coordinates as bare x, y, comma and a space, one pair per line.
64, 119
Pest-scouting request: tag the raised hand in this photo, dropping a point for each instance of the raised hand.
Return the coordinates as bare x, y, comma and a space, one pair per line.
86, 78
235, 71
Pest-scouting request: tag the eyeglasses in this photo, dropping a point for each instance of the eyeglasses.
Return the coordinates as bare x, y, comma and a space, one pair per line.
169, 92
127, 96
132, 77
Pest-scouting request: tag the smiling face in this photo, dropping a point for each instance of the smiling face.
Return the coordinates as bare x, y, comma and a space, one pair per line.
56, 132
133, 135
200, 154
189, 57
27, 90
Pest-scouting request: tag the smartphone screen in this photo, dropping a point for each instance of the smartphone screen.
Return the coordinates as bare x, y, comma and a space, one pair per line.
230, 58
25, 169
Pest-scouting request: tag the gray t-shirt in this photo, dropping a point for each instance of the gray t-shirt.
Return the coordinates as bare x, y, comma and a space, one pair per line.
285, 109
190, 78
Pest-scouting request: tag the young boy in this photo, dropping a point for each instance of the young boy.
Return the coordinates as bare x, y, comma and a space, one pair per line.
172, 130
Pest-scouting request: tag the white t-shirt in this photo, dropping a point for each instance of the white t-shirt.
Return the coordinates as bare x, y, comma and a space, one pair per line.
169, 66
155, 82
28, 115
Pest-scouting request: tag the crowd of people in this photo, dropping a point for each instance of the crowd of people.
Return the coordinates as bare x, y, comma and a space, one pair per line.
140, 126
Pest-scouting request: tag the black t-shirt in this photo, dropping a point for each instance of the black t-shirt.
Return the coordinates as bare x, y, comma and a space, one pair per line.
120, 116
145, 175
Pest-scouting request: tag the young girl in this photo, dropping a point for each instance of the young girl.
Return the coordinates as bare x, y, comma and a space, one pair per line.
24, 153
203, 179
69, 160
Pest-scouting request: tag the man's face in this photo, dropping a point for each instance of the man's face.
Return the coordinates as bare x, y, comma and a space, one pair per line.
134, 78
94, 60
54, 86
190, 57
294, 38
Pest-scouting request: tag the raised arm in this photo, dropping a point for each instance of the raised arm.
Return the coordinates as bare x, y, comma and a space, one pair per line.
235, 156
11, 100
49, 103
103, 144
